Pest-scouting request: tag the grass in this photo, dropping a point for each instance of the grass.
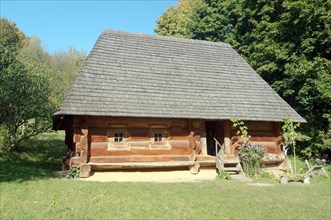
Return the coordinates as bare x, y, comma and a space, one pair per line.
30, 189
37, 158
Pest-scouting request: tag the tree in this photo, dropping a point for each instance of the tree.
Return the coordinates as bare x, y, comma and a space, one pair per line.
65, 67
25, 105
32, 83
10, 36
176, 19
25, 108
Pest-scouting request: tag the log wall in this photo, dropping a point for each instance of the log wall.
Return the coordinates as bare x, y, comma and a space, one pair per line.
95, 139
268, 134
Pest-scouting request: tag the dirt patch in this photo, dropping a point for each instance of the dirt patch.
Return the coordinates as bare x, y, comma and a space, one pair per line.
260, 184
152, 176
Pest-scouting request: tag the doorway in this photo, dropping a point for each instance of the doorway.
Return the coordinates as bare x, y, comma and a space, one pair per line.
214, 129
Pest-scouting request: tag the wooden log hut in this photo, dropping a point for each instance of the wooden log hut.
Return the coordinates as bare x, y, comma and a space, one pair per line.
145, 101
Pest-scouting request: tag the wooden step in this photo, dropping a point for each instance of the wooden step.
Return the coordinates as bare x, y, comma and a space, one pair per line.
234, 169
205, 158
230, 157
231, 161
139, 158
144, 164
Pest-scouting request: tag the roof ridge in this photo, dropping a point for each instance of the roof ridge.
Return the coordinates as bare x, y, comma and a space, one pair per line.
168, 38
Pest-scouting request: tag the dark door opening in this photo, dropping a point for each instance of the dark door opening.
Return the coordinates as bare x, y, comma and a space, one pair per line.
211, 134
214, 129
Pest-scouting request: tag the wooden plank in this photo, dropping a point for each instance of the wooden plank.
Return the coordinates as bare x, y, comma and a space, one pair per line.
136, 138
260, 126
270, 147
78, 147
105, 152
205, 158
83, 156
76, 138
84, 142
139, 158
99, 138
174, 144
273, 162
262, 133
144, 164
257, 126
266, 139
138, 132
184, 137
75, 161
256, 133
278, 129
106, 122
98, 131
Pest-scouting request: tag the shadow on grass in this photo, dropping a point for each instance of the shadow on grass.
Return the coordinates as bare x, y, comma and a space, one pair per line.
37, 158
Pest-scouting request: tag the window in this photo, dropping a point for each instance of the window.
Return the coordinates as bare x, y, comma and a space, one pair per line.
118, 137
157, 137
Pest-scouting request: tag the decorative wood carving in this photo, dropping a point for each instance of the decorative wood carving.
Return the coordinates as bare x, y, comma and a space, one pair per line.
84, 142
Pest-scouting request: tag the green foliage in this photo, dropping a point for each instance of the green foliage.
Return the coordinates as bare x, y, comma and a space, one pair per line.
25, 107
242, 129
267, 175
250, 154
176, 19
32, 84
290, 136
223, 175
36, 158
73, 173
287, 42
10, 36
4, 140
65, 66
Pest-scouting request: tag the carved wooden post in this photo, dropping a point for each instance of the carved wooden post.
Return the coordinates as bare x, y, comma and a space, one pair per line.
85, 169
84, 145
227, 138
195, 168
203, 142
191, 140
278, 135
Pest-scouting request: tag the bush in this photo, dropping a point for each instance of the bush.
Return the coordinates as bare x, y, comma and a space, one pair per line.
73, 173
223, 175
4, 140
251, 155
267, 175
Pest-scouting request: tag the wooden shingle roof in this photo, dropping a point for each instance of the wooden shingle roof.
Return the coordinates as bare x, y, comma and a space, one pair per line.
138, 75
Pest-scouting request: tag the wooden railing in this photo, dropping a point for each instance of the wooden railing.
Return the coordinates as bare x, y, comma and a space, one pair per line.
220, 152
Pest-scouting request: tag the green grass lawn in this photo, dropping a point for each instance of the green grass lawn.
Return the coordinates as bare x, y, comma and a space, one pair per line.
30, 189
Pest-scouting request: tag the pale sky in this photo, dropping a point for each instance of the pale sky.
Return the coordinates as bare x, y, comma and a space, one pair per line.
60, 24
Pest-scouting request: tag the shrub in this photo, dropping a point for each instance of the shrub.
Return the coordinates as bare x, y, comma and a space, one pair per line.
251, 155
223, 175
73, 173
267, 175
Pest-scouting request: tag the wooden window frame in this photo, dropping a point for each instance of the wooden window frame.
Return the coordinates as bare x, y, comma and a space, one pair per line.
158, 137
118, 137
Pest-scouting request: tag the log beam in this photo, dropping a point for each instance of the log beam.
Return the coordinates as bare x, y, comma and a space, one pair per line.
85, 170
